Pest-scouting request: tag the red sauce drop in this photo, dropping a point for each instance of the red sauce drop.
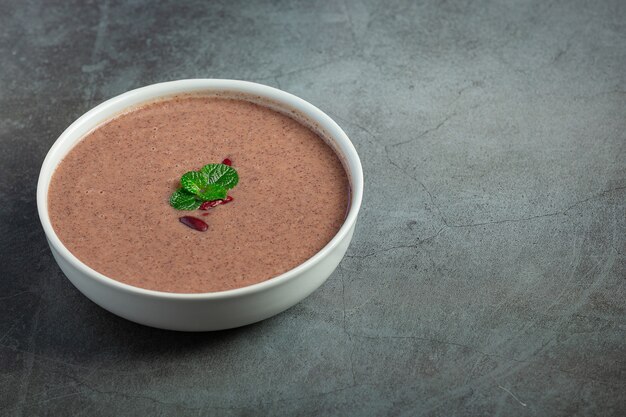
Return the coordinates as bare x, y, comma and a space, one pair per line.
210, 204
227, 162
194, 223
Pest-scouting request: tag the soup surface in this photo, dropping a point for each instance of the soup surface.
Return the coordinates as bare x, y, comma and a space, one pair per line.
108, 198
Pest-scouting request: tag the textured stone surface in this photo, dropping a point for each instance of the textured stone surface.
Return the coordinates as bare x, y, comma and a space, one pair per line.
487, 273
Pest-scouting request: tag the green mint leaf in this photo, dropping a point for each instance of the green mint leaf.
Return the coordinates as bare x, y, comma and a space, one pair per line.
194, 182
221, 174
212, 192
212, 182
182, 199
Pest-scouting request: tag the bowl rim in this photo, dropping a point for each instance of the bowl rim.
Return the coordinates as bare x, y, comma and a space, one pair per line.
352, 163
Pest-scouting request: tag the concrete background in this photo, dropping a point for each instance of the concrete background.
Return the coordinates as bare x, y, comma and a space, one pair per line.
487, 274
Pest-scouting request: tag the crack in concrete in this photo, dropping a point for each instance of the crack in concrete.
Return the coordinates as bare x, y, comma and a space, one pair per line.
363, 128
345, 326
350, 25
277, 82
76, 366
556, 213
5, 335
523, 219
81, 383
343, 299
101, 30
502, 371
58, 397
19, 293
427, 131
30, 361
281, 74
452, 226
140, 397
600, 94
483, 353
413, 246
512, 395
565, 50
443, 218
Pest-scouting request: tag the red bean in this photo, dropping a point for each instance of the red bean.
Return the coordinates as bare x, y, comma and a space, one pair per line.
194, 223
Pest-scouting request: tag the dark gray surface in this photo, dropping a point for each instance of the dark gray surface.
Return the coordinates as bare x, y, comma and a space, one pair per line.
487, 272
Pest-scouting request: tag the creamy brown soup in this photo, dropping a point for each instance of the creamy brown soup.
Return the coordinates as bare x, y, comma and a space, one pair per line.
108, 199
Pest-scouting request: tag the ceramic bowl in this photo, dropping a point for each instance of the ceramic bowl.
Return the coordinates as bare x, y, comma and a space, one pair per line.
215, 310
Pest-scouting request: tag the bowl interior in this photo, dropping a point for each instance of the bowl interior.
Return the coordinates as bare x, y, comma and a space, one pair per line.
265, 95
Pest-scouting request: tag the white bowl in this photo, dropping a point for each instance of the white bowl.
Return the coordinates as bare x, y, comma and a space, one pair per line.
216, 310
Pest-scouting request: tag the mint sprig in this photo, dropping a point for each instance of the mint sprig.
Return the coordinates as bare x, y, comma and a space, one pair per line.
212, 192
221, 174
182, 199
212, 182
194, 181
